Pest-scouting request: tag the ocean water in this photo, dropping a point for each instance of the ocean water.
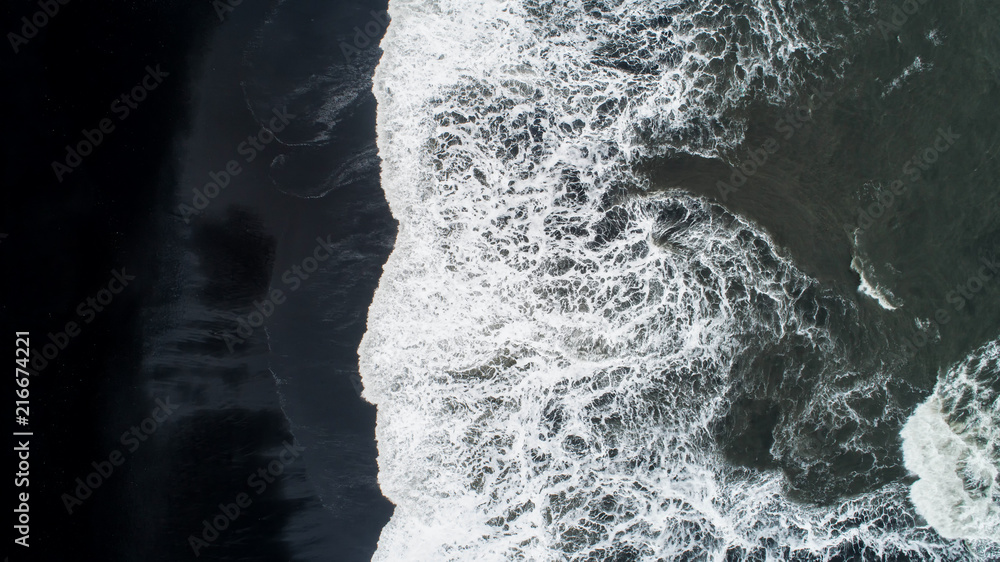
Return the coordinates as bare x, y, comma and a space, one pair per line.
688, 281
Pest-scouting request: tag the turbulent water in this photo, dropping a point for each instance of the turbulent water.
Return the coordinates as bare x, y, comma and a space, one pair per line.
952, 443
572, 363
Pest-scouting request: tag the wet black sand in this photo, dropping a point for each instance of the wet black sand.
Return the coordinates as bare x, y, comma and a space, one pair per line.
293, 380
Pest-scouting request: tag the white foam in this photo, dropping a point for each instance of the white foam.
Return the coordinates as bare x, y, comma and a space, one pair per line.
916, 66
548, 354
881, 295
954, 450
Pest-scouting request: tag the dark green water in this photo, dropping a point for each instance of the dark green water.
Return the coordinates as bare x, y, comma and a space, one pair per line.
885, 157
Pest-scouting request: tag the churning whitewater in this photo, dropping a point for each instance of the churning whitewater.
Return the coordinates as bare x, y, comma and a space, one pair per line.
554, 347
952, 442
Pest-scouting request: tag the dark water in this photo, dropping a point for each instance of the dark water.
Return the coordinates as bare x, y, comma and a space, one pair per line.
915, 105
823, 160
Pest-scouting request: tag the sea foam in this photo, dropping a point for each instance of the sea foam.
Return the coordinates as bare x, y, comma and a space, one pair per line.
952, 442
550, 346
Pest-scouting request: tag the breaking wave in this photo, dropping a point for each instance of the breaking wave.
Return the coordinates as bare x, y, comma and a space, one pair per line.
952, 442
568, 366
